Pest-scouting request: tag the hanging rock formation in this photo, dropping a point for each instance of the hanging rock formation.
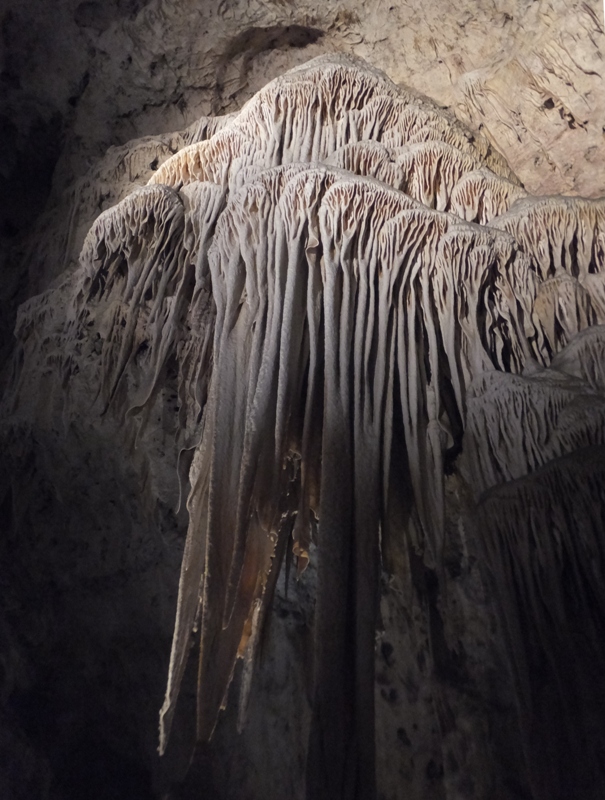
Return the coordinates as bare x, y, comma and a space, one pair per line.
356, 303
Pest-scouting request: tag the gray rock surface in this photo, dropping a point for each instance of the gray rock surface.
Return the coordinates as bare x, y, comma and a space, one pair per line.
94, 526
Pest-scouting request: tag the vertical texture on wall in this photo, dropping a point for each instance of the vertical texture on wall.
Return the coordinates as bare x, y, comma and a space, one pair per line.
338, 321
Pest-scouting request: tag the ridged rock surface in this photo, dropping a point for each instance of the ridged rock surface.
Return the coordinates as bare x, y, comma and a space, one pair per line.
341, 328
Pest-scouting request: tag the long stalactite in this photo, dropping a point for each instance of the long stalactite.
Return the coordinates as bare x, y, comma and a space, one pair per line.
340, 272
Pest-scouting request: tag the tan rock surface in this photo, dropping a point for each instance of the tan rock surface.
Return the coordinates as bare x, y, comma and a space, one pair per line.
529, 73
529, 76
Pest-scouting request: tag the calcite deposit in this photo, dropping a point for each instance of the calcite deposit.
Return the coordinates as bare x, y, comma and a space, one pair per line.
338, 324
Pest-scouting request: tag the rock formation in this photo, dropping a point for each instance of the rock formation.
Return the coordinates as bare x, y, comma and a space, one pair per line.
338, 322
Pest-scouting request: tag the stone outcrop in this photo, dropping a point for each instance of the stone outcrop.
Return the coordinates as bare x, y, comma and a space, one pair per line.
340, 325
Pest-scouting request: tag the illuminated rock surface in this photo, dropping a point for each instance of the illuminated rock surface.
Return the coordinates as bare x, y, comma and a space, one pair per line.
402, 406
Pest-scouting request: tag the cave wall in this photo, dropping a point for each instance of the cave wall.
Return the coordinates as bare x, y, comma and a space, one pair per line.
90, 76
94, 529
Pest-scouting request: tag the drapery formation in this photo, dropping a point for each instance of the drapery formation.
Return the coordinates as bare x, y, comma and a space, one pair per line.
338, 272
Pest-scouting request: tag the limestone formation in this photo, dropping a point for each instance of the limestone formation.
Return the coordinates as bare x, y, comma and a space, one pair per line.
355, 297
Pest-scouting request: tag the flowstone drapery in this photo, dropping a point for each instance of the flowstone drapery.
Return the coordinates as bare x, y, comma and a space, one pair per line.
339, 273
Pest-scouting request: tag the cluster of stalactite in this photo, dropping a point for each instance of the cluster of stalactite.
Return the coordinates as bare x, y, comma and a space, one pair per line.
340, 270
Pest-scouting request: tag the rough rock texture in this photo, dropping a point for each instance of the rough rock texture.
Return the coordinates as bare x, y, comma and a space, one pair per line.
490, 617
88, 75
403, 406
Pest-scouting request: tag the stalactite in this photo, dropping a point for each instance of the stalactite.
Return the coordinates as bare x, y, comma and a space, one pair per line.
565, 237
296, 265
516, 424
542, 537
480, 195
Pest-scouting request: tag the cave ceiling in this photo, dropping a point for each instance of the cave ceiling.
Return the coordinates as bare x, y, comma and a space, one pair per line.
308, 302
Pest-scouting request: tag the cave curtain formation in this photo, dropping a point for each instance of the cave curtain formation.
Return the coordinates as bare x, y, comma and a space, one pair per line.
355, 294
